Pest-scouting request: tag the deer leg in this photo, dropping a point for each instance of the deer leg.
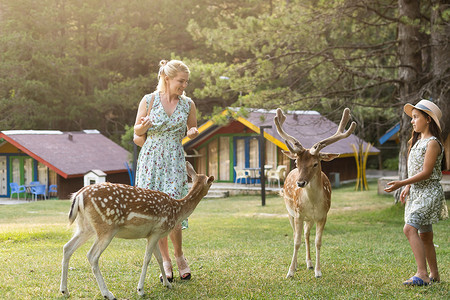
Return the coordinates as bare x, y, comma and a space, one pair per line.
319, 230
297, 239
100, 244
152, 247
308, 226
75, 242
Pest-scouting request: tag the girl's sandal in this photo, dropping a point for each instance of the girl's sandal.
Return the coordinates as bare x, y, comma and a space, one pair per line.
168, 270
183, 268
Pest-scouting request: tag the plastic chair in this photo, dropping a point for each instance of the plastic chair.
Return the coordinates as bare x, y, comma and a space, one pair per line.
34, 183
267, 168
16, 189
37, 190
241, 174
52, 189
278, 174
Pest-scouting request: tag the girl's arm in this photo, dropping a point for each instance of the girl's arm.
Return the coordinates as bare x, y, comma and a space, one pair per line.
431, 155
192, 132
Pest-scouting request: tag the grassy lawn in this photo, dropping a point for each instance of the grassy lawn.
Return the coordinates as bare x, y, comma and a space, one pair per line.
236, 250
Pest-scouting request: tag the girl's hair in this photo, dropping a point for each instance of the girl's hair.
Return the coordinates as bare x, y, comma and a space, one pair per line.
434, 130
170, 69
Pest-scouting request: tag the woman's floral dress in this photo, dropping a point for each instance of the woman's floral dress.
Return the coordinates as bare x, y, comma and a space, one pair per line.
161, 164
426, 198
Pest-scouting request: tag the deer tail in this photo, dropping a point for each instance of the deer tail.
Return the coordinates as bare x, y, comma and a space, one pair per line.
77, 205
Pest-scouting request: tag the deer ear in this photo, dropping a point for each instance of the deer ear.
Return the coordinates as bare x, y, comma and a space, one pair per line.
327, 156
289, 154
190, 170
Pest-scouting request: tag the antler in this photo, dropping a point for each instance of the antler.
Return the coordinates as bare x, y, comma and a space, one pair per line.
339, 135
279, 120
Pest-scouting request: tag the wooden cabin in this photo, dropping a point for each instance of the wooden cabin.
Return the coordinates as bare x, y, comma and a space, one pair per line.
61, 158
232, 139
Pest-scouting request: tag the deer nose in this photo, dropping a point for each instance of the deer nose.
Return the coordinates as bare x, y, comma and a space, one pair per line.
301, 184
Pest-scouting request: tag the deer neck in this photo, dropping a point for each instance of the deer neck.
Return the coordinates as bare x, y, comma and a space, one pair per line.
315, 185
190, 201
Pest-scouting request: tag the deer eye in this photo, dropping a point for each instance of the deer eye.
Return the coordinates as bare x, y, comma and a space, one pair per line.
315, 165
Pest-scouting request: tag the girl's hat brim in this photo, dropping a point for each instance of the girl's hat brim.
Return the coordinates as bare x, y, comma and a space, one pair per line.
427, 107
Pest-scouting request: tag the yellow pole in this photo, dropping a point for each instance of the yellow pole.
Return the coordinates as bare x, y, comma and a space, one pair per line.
366, 155
357, 166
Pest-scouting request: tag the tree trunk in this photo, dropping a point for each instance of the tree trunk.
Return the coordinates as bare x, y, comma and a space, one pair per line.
440, 60
409, 52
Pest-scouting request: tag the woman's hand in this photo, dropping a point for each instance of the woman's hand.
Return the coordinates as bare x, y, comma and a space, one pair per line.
192, 133
145, 122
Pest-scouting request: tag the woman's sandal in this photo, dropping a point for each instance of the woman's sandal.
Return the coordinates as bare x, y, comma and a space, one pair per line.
183, 268
168, 270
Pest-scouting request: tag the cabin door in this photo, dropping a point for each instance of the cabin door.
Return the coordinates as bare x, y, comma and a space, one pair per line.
246, 152
3, 177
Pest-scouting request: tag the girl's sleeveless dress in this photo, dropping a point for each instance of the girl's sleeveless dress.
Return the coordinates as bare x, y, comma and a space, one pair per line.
161, 164
426, 198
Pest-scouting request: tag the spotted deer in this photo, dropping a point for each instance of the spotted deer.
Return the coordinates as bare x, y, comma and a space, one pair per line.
109, 210
307, 190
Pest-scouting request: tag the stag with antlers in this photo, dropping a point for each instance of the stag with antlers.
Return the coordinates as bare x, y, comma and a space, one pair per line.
109, 210
307, 190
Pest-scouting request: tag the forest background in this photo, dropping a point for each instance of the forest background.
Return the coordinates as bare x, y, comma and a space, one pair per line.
86, 64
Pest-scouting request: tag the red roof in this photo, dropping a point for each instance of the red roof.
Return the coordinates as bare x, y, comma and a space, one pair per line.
70, 154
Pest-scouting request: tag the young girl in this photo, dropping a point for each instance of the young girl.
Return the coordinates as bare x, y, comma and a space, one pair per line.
426, 196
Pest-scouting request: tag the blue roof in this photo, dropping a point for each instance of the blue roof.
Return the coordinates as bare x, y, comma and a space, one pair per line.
389, 133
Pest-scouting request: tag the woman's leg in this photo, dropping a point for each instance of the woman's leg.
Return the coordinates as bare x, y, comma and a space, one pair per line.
167, 263
430, 254
418, 250
177, 241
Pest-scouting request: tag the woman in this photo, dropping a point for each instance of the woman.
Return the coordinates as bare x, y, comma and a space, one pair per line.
161, 123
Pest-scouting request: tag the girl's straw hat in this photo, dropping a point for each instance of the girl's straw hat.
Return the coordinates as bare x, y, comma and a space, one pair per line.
428, 107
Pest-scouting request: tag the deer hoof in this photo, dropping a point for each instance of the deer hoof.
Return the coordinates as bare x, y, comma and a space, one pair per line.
310, 268
318, 274
140, 292
65, 293
109, 296
290, 274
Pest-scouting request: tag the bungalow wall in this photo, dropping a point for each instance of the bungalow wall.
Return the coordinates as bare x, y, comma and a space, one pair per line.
237, 145
71, 185
345, 166
22, 169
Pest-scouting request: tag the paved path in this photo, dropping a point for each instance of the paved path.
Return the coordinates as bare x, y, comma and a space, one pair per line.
12, 201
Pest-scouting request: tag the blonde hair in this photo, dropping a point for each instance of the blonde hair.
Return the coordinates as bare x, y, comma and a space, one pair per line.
170, 69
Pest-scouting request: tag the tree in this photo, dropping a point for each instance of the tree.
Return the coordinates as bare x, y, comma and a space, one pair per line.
373, 56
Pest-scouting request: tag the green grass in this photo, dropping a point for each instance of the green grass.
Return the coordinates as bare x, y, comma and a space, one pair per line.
236, 248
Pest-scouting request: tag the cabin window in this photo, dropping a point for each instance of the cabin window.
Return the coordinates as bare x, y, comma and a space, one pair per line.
254, 153
213, 158
224, 158
240, 153
42, 173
